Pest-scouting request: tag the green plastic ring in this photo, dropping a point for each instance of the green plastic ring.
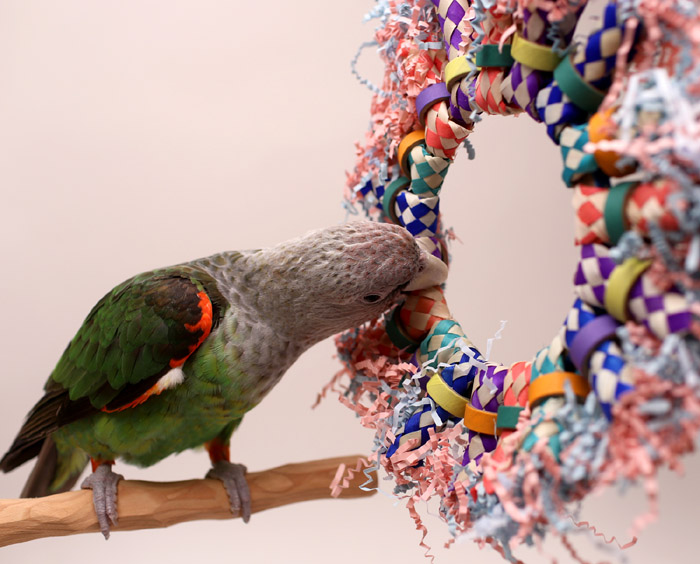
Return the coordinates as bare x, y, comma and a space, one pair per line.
508, 416
389, 197
493, 56
397, 336
571, 83
619, 285
614, 212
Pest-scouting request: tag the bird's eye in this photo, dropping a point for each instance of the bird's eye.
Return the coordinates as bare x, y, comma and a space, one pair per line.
371, 298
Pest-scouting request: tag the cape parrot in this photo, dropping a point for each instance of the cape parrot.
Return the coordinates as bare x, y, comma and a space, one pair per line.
172, 359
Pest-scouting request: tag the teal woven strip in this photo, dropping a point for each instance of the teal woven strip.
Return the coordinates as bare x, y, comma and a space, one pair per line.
614, 212
419, 185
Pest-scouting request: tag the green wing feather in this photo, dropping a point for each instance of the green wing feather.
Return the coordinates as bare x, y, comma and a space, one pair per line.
132, 337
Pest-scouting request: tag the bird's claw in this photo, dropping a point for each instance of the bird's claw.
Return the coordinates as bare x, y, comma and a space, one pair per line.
103, 483
233, 478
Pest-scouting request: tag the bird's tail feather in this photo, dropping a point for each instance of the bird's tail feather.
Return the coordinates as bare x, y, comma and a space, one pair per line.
54, 473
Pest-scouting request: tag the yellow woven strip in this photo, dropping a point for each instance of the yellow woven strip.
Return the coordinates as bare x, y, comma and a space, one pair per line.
480, 421
619, 285
552, 384
538, 57
457, 69
445, 396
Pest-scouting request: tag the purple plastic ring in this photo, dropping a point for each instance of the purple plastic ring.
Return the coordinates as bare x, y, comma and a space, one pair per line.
589, 337
427, 98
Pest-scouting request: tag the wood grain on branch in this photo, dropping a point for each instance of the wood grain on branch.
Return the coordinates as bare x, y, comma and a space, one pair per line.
149, 505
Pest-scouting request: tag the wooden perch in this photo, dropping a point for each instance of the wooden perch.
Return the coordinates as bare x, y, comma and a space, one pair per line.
150, 505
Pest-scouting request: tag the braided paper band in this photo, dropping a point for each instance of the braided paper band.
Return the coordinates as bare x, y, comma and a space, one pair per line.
442, 135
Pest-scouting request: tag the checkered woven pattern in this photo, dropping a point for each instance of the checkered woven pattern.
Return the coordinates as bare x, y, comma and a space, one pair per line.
452, 15
662, 312
460, 100
431, 245
577, 162
487, 395
439, 345
422, 310
589, 221
549, 359
647, 203
488, 92
516, 384
592, 272
556, 110
416, 428
457, 362
488, 97
595, 63
442, 135
427, 171
609, 375
579, 315
543, 428
521, 85
418, 215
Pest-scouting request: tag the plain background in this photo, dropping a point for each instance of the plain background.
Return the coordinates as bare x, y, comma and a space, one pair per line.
143, 133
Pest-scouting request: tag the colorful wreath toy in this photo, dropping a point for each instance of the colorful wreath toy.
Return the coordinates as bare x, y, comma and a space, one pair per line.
615, 395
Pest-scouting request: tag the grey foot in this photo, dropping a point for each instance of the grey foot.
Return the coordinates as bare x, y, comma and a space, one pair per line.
103, 483
233, 478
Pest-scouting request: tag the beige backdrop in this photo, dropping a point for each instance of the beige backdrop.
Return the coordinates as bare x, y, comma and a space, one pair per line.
137, 134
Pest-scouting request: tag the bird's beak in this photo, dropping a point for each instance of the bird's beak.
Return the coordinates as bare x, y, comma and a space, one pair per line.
433, 272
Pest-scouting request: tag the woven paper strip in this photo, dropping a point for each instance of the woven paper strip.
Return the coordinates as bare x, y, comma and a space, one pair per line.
662, 312
422, 310
450, 354
589, 219
427, 171
522, 83
593, 64
610, 376
418, 215
577, 162
442, 135
456, 28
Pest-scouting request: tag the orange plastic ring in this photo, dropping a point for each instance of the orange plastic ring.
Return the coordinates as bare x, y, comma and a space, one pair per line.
552, 384
480, 421
407, 143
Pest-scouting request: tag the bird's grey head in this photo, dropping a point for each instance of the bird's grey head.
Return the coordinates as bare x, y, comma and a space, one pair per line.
336, 278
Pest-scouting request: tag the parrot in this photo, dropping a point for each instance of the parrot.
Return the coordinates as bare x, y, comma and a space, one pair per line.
172, 359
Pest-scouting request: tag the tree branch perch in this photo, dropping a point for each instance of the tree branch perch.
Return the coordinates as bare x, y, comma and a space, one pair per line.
149, 505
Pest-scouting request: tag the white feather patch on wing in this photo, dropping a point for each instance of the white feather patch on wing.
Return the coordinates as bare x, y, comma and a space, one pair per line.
169, 380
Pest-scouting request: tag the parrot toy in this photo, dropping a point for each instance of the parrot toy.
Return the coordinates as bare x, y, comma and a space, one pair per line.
172, 359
